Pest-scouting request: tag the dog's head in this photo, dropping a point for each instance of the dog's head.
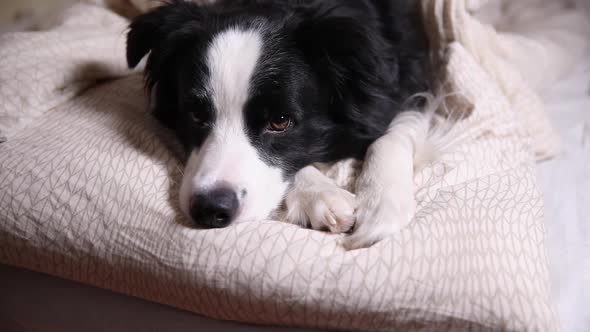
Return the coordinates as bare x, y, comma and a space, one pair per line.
255, 95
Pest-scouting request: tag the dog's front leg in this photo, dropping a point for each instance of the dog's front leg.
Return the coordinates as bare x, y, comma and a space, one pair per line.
385, 188
316, 200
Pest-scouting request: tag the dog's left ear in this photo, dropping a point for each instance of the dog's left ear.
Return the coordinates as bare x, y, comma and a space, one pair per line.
163, 31
164, 34
344, 52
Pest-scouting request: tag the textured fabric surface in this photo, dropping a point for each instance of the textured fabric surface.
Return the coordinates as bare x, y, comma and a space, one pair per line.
39, 71
88, 192
537, 41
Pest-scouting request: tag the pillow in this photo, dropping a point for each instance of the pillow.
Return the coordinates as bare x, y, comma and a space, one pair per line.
88, 192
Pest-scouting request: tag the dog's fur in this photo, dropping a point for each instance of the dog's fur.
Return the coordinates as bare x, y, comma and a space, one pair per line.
333, 74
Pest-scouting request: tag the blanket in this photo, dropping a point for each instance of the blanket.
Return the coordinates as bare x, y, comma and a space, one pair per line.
88, 186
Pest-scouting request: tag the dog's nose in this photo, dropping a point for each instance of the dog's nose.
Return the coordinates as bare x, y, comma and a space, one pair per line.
215, 208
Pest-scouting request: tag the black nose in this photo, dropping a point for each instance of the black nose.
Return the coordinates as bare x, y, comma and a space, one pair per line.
215, 208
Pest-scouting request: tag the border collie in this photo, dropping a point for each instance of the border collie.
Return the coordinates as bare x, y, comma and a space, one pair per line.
258, 91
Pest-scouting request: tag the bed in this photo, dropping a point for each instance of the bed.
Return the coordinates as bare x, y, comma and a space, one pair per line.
474, 258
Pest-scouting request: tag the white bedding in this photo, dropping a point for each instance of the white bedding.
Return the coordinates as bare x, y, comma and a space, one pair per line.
565, 182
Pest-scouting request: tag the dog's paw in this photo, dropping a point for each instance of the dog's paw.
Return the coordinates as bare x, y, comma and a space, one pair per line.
381, 213
324, 206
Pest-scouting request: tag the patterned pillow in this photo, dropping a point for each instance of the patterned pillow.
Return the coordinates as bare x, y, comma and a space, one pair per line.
88, 192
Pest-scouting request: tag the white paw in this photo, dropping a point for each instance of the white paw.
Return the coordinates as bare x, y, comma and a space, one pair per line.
380, 214
324, 206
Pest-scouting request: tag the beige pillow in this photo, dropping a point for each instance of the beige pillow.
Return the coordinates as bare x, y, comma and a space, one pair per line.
88, 192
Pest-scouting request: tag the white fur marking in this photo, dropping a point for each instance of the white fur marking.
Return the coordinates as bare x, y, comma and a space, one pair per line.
317, 201
385, 189
232, 59
227, 156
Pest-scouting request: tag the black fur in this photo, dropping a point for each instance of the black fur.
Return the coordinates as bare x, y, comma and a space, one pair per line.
341, 69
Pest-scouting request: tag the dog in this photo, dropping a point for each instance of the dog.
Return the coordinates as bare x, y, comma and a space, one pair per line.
260, 91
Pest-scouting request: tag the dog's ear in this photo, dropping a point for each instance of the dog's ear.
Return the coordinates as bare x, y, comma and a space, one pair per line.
167, 25
343, 51
140, 38
164, 33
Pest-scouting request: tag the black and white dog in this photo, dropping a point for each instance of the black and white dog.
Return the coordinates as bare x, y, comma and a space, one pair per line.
260, 90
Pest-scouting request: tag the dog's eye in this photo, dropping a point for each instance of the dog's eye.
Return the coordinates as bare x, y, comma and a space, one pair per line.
280, 123
198, 110
198, 119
